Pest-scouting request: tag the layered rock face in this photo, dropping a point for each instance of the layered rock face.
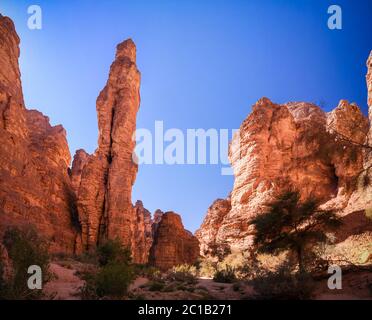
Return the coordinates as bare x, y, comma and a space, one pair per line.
291, 146
104, 196
212, 223
35, 187
143, 238
173, 245
80, 160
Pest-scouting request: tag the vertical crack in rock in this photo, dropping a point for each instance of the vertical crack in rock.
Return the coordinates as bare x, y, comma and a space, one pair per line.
104, 201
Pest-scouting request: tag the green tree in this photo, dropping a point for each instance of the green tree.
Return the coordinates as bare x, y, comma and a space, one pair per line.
113, 251
291, 224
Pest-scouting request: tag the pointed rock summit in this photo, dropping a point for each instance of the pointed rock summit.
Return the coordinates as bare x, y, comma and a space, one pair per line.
104, 197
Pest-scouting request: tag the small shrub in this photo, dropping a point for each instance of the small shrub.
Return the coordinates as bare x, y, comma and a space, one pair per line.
112, 251
283, 284
169, 288
113, 280
153, 273
207, 268
183, 273
25, 248
156, 286
226, 275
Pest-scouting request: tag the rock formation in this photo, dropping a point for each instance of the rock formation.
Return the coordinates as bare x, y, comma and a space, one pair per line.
173, 245
142, 234
211, 224
104, 197
298, 146
158, 214
75, 208
80, 160
35, 187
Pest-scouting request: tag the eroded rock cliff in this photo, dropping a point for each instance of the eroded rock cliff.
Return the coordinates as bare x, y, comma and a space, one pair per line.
297, 146
143, 236
35, 188
173, 245
79, 207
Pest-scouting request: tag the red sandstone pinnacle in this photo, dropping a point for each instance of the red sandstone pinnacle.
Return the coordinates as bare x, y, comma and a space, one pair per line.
173, 245
104, 201
142, 230
80, 160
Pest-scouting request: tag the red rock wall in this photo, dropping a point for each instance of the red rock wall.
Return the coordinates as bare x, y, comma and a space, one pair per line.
35, 187
173, 245
286, 146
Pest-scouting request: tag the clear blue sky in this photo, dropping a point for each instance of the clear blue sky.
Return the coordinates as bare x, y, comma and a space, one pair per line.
203, 64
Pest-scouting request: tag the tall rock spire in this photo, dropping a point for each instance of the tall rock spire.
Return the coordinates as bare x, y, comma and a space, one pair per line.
104, 203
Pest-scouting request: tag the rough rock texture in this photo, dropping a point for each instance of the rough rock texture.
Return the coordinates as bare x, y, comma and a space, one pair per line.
173, 245
298, 146
104, 201
5, 264
158, 214
35, 187
211, 224
80, 160
142, 234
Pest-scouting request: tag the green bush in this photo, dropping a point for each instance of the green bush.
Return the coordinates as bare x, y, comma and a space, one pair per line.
226, 275
207, 268
156, 286
25, 248
183, 273
283, 284
112, 251
113, 280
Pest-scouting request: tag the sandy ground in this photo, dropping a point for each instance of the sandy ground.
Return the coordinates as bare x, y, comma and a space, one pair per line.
354, 287
64, 285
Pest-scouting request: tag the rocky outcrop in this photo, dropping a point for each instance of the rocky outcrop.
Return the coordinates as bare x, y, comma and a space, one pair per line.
173, 245
80, 160
35, 187
294, 145
142, 239
158, 214
104, 197
76, 208
207, 233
